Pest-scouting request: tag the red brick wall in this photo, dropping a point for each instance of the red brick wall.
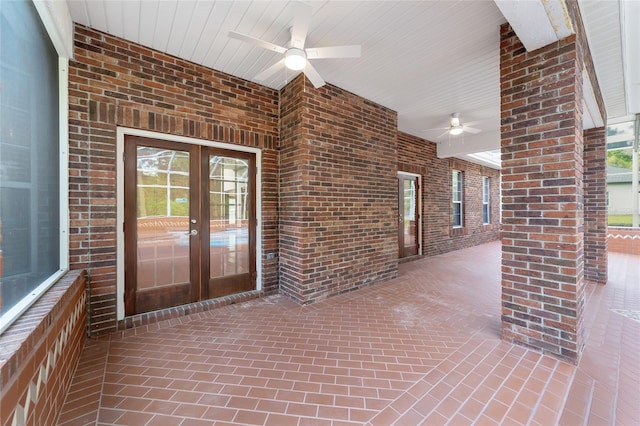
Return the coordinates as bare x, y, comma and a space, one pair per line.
39, 354
338, 192
113, 82
419, 156
595, 205
542, 219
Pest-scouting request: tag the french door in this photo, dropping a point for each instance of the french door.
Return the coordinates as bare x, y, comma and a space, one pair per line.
408, 217
190, 223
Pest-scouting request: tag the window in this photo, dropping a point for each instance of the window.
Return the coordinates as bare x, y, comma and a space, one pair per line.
32, 248
486, 200
623, 168
457, 185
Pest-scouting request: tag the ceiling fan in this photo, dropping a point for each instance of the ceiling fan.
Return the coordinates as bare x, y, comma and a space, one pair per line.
456, 127
296, 56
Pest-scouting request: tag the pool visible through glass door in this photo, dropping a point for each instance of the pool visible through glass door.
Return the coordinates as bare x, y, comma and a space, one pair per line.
189, 223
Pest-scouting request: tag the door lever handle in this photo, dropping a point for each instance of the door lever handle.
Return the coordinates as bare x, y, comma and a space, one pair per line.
192, 232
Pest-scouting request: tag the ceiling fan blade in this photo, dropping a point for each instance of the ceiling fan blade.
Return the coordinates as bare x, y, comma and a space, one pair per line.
313, 75
300, 26
442, 134
353, 51
268, 72
471, 130
258, 42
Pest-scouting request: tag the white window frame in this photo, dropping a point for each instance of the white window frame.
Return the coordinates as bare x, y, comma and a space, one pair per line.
124, 131
419, 206
460, 201
48, 19
486, 199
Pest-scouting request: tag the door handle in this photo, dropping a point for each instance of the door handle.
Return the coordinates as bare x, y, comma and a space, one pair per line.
192, 232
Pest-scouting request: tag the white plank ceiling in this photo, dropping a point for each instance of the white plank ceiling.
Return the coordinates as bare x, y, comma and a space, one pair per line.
423, 59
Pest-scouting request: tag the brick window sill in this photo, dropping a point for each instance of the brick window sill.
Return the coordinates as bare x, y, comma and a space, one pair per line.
27, 343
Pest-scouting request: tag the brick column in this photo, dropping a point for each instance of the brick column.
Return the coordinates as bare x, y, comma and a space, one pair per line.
595, 205
542, 216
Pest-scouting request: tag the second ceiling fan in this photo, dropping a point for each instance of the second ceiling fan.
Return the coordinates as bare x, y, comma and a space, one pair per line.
456, 127
296, 56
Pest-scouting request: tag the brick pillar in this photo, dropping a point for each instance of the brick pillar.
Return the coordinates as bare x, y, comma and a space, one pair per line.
542, 215
595, 205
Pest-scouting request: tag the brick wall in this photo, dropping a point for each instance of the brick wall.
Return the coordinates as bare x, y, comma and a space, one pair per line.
418, 156
595, 205
624, 240
39, 353
542, 219
329, 204
338, 192
113, 82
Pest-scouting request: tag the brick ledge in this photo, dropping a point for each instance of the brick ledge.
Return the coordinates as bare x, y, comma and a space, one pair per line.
131, 324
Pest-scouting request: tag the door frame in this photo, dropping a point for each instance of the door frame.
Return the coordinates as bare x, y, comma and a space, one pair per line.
120, 137
419, 206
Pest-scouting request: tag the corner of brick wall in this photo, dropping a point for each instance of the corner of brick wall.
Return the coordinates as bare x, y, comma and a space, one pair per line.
338, 192
40, 351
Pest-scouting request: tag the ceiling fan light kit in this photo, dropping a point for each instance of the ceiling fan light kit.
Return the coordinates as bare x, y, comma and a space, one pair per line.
456, 130
295, 59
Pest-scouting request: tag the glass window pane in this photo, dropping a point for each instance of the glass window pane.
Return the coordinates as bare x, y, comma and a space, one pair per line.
456, 196
486, 191
229, 216
29, 152
162, 188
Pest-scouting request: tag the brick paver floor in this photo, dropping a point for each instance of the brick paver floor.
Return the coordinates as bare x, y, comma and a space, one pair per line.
424, 348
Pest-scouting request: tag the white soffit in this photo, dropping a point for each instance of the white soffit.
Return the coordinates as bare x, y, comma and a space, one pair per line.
537, 23
630, 11
468, 144
485, 158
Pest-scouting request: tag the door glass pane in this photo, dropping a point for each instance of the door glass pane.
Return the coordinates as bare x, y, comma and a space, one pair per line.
162, 185
409, 213
229, 216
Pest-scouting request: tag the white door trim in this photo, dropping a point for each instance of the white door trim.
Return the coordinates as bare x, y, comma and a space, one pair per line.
124, 131
419, 201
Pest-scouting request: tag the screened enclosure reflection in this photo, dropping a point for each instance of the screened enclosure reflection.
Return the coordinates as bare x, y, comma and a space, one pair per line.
162, 189
228, 216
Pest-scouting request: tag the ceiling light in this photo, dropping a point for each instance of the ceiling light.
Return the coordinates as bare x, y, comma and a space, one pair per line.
295, 59
455, 130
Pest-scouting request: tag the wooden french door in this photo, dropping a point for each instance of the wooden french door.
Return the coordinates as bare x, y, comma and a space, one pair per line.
409, 216
190, 223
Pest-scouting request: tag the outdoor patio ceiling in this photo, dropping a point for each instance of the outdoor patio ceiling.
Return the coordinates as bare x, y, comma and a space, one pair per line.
423, 59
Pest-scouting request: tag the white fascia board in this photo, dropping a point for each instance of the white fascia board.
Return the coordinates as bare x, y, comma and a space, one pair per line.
530, 22
481, 161
56, 18
592, 119
537, 23
559, 17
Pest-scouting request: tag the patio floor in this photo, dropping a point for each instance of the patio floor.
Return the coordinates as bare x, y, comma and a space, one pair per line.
424, 348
